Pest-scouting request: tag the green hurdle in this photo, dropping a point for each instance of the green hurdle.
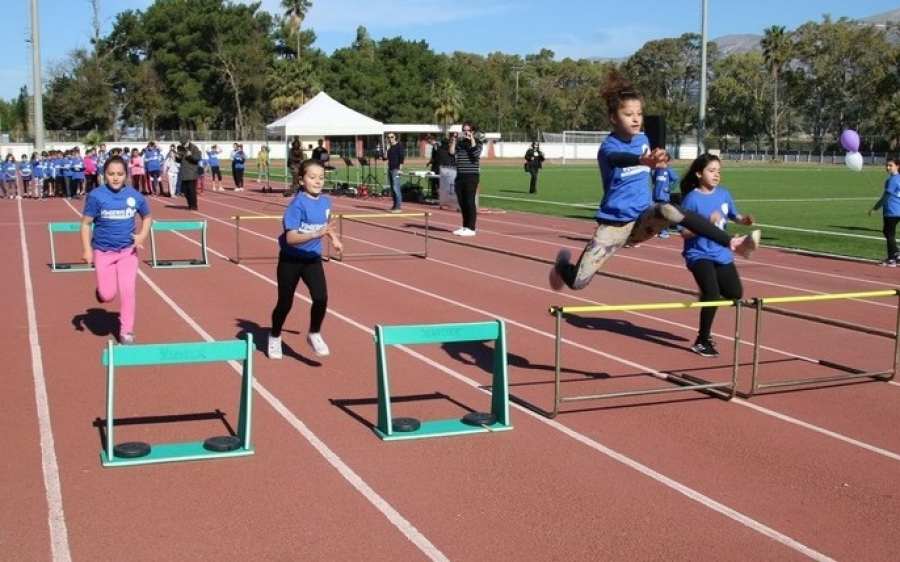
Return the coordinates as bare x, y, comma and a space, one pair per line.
116, 356
161, 226
55, 265
443, 333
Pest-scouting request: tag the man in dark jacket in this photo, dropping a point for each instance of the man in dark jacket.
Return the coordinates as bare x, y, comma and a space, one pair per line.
534, 161
189, 157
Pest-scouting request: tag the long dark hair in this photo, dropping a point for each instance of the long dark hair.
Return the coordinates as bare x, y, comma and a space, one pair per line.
690, 181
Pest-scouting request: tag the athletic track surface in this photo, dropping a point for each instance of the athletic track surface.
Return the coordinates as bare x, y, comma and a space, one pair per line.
788, 474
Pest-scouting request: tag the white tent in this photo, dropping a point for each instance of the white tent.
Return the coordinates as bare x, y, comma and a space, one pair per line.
324, 116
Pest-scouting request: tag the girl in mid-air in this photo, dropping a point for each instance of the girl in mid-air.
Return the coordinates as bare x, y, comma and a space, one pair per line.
627, 213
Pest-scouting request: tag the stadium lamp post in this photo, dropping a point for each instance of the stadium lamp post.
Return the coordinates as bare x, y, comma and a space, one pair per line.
701, 121
37, 94
517, 70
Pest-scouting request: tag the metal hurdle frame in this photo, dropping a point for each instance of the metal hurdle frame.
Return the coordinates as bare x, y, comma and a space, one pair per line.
763, 304
237, 232
684, 382
179, 226
329, 253
54, 227
361, 219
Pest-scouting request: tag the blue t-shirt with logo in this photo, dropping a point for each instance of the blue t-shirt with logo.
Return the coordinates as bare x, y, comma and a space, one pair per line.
891, 207
152, 159
113, 213
718, 201
626, 191
306, 214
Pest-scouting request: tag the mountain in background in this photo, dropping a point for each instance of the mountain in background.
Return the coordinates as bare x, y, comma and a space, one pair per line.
746, 43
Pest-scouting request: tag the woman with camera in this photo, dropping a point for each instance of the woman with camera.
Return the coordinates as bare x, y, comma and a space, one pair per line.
467, 149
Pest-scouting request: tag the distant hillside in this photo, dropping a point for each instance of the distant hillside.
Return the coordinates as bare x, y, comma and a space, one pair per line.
729, 44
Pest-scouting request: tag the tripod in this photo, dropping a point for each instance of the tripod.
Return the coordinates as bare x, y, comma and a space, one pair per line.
369, 179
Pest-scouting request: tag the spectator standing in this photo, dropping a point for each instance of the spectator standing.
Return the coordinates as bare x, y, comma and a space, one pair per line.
889, 203
467, 150
189, 160
664, 181
534, 161
212, 158
395, 158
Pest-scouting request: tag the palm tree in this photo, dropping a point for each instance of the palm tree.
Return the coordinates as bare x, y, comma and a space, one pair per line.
295, 11
776, 45
447, 103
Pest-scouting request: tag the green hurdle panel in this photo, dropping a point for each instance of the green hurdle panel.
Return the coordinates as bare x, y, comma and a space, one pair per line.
115, 356
55, 265
443, 333
180, 226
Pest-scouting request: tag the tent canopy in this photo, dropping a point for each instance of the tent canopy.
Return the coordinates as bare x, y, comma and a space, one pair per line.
324, 116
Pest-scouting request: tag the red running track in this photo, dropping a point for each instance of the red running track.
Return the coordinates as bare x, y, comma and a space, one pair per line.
806, 473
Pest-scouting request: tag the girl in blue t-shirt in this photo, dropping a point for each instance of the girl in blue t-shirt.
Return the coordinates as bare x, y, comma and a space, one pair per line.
711, 265
626, 213
111, 245
8, 181
889, 203
306, 221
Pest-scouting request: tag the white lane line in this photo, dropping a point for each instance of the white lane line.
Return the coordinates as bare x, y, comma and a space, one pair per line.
408, 529
56, 517
631, 463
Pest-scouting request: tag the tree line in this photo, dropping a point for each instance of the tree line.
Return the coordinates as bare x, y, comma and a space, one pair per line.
217, 65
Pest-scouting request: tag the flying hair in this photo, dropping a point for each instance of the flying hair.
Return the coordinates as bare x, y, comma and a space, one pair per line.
617, 88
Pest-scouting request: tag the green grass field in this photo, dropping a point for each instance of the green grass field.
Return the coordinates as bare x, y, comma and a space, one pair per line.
817, 208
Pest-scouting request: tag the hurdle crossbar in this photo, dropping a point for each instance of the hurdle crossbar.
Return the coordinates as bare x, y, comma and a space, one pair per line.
59, 227
173, 226
725, 390
363, 218
764, 304
238, 219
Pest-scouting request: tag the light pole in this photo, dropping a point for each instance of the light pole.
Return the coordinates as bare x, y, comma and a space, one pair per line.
701, 121
517, 70
37, 95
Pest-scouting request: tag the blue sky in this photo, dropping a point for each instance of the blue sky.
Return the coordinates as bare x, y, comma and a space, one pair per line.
577, 29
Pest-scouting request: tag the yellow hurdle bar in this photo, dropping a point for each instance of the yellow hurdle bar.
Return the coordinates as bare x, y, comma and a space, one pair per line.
761, 304
724, 390
237, 231
363, 218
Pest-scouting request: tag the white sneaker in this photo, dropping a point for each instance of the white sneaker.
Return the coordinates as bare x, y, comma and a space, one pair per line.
318, 344
748, 244
467, 232
274, 347
460, 231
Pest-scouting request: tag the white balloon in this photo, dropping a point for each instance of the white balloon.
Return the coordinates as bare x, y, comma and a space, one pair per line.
854, 161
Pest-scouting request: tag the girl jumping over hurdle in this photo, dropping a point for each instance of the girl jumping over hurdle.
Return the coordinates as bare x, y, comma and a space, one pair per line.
627, 213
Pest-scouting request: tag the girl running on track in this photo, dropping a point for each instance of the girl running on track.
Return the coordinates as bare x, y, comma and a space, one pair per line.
112, 243
306, 221
711, 265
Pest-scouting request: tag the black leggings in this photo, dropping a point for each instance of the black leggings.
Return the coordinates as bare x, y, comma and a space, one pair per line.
700, 225
289, 273
466, 190
716, 281
890, 235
